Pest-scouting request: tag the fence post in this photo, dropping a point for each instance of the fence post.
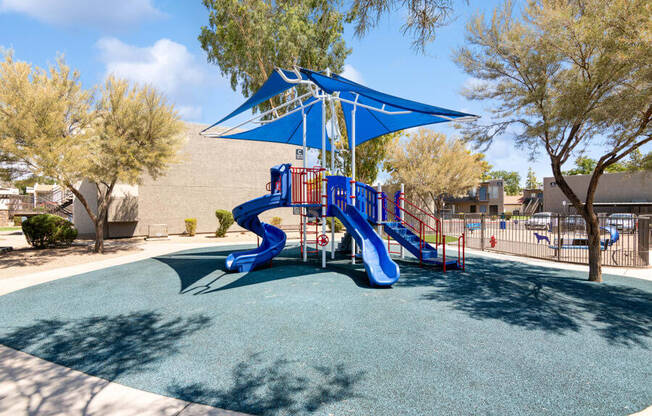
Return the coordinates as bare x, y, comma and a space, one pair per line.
558, 237
482, 224
644, 240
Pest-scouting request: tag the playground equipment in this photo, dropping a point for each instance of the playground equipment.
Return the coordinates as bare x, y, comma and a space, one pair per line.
301, 120
582, 243
295, 187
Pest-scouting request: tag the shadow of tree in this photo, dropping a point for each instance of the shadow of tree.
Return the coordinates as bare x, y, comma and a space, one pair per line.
102, 346
539, 298
279, 386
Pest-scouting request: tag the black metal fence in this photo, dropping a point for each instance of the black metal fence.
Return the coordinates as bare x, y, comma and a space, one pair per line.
625, 242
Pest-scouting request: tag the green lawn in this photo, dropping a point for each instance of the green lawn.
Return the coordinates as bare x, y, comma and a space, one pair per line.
10, 228
449, 239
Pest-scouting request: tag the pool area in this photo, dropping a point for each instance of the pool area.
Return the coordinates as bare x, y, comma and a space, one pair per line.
501, 337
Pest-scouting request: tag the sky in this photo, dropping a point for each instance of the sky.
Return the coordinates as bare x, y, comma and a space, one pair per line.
155, 41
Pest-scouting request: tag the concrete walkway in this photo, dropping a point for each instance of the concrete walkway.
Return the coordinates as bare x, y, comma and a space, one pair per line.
32, 386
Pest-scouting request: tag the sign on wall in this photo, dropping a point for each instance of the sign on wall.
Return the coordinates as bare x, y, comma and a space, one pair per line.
299, 154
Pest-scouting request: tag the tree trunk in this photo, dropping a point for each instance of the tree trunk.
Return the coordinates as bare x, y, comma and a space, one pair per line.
99, 237
595, 254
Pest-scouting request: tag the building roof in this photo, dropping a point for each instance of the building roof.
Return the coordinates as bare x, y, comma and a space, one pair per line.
513, 200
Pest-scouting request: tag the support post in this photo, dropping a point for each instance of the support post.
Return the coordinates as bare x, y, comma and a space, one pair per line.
644, 240
323, 181
558, 237
353, 194
402, 204
332, 171
303, 185
379, 210
481, 232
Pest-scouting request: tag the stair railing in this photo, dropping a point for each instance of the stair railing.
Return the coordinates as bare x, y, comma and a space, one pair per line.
419, 227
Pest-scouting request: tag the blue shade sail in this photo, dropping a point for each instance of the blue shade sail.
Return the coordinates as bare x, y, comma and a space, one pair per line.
289, 129
336, 83
272, 87
370, 124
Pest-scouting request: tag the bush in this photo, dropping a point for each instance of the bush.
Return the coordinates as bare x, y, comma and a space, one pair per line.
46, 230
191, 226
225, 220
276, 221
18, 220
338, 224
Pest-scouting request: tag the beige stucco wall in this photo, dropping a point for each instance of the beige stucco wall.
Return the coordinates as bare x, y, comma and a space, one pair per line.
210, 174
613, 187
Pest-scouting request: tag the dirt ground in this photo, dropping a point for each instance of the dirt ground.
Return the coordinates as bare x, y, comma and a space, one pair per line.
23, 259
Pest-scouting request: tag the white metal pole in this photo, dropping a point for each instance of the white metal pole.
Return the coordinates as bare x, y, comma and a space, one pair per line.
323, 182
304, 210
353, 172
402, 202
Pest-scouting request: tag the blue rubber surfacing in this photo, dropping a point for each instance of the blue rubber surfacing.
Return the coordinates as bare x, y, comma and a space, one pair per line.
501, 338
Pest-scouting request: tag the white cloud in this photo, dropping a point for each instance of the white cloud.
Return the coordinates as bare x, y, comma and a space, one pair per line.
351, 73
166, 65
84, 12
189, 112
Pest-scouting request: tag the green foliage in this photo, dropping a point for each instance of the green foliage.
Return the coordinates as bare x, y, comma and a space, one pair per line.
46, 230
511, 181
225, 220
22, 184
564, 76
275, 221
18, 220
531, 181
486, 167
338, 224
58, 130
423, 17
433, 167
191, 226
248, 38
635, 163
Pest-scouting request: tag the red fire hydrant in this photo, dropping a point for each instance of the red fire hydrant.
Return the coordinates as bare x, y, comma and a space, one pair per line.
492, 241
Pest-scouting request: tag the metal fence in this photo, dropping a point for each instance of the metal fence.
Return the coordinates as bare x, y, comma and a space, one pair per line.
563, 238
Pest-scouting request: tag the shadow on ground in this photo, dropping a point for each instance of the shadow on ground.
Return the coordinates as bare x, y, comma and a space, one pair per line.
539, 298
103, 346
269, 388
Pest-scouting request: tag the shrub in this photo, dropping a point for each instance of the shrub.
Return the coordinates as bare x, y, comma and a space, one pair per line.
225, 220
18, 220
276, 221
338, 224
46, 230
191, 226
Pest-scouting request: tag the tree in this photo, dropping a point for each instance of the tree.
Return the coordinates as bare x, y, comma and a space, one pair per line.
486, 167
566, 75
423, 18
54, 127
531, 181
433, 167
248, 38
583, 166
511, 181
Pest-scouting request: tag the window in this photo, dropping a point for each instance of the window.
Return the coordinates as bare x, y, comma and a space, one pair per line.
483, 208
472, 208
483, 193
493, 209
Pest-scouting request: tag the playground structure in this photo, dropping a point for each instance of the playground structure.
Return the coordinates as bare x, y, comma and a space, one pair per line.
298, 187
301, 120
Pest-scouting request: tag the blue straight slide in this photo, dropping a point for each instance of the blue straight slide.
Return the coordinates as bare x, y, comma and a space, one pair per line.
246, 215
381, 269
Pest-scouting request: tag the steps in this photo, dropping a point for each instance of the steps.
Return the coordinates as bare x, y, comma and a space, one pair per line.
421, 250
